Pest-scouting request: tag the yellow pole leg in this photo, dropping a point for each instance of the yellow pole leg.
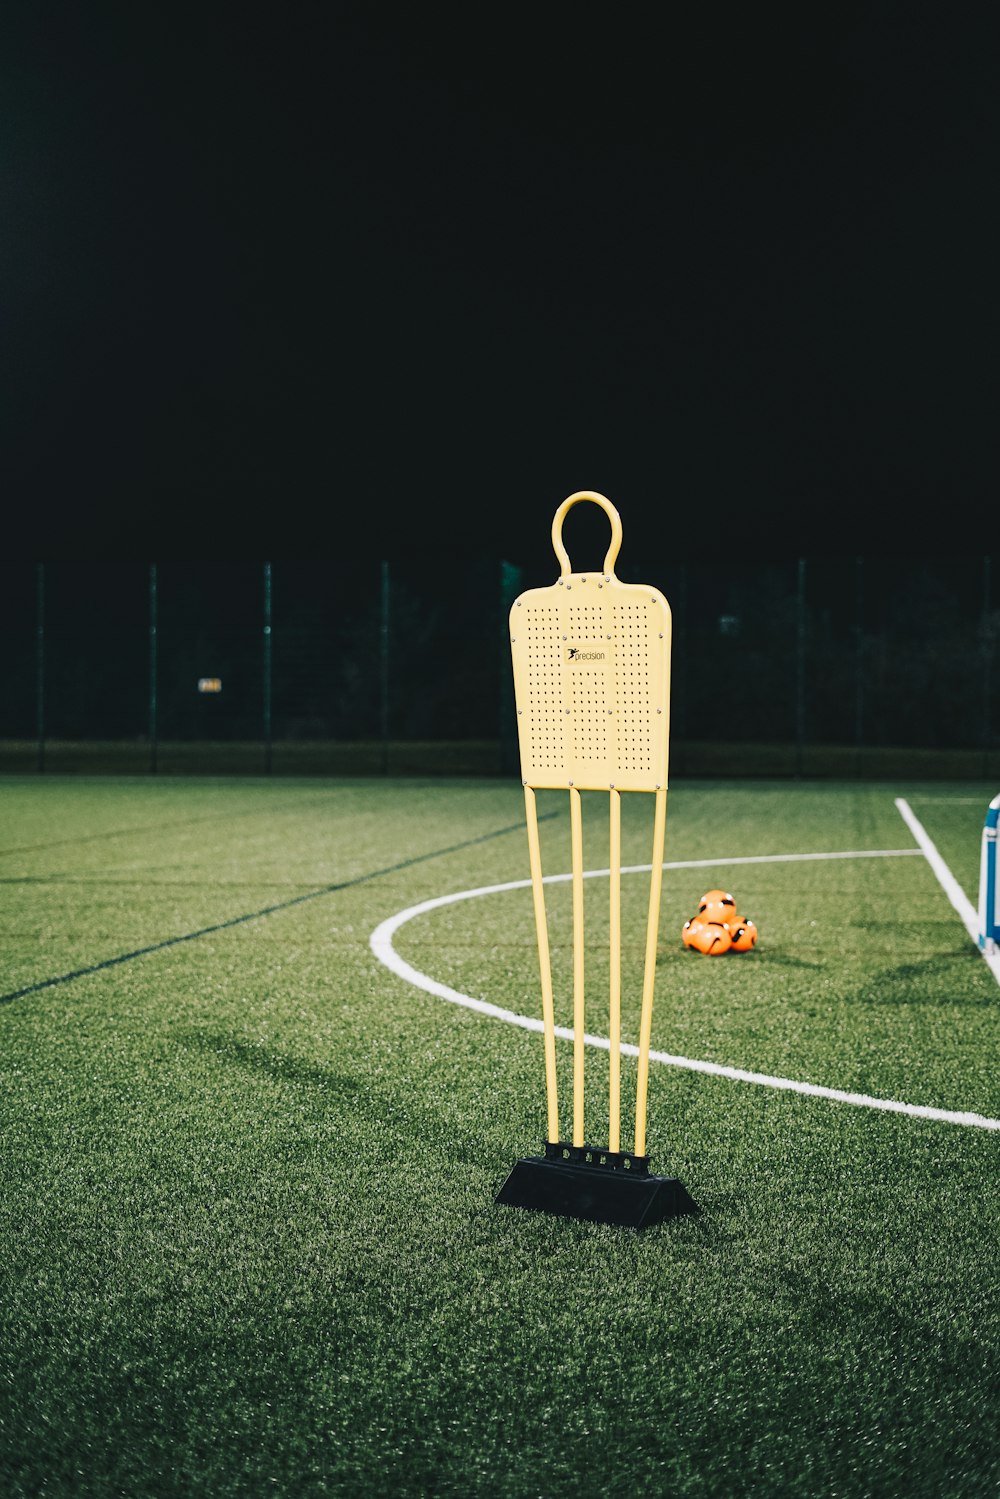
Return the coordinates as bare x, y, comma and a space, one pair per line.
576, 835
649, 971
615, 1020
544, 963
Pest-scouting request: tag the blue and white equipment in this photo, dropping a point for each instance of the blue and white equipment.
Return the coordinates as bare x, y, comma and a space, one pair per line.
989, 888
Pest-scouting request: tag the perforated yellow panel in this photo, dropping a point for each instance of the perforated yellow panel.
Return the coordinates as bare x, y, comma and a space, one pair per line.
591, 659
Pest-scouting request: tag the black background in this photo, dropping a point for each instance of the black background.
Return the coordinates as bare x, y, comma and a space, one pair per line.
355, 280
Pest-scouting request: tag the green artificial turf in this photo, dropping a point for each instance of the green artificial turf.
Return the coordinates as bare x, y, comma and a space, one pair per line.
248, 1238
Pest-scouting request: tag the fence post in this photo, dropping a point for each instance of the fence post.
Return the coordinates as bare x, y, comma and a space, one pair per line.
678, 675
987, 634
511, 581
267, 668
153, 725
40, 663
859, 661
384, 669
800, 669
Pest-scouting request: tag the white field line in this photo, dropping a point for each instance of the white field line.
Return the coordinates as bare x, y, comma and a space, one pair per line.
926, 796
381, 944
948, 882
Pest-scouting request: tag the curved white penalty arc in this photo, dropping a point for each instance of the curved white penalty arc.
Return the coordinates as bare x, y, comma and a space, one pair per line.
381, 943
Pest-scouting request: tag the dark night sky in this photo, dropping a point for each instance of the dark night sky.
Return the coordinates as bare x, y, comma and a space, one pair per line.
320, 279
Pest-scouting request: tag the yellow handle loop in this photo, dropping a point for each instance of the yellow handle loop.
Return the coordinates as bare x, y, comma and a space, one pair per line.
613, 517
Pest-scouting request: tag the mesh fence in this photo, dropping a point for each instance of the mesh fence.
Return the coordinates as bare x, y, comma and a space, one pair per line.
273, 667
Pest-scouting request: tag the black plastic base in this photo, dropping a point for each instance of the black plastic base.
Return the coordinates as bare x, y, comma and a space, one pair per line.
598, 1186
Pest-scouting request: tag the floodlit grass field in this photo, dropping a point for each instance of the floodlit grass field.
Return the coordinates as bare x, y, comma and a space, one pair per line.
248, 1237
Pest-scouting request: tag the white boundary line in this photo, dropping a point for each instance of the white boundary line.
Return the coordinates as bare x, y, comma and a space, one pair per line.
948, 883
382, 947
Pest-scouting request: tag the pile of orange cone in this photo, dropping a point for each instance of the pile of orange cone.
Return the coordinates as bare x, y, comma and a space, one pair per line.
718, 927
